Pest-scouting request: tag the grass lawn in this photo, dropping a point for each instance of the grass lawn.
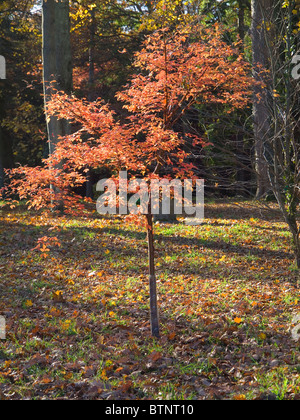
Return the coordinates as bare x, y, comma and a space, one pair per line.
77, 318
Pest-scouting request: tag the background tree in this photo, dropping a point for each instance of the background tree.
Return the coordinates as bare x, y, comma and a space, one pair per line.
227, 165
261, 25
57, 66
57, 61
281, 148
21, 113
107, 32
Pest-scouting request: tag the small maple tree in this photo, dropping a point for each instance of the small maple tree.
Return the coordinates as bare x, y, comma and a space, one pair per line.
176, 70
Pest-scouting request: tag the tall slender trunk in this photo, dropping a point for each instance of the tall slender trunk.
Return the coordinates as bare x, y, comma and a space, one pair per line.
242, 173
154, 317
261, 10
296, 240
89, 184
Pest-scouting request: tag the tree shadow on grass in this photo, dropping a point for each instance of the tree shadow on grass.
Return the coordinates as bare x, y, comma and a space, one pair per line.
216, 245
243, 210
20, 237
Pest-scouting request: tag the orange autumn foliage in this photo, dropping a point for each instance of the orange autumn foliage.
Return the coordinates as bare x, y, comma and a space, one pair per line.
175, 71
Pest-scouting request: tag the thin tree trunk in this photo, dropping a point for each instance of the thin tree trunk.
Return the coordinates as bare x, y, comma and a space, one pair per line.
290, 214
295, 232
89, 184
154, 317
241, 174
261, 114
283, 167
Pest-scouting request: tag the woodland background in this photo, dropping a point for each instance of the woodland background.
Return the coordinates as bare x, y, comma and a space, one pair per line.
104, 37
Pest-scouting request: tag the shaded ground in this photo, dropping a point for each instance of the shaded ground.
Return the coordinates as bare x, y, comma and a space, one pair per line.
77, 317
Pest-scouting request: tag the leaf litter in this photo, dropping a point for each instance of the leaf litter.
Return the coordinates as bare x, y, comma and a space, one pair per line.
77, 317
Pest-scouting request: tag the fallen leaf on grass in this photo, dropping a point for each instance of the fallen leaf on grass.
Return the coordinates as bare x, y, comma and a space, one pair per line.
172, 336
240, 397
58, 296
238, 320
126, 386
155, 355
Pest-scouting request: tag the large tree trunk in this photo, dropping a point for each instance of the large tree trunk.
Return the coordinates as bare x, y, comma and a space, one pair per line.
57, 60
261, 11
57, 64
